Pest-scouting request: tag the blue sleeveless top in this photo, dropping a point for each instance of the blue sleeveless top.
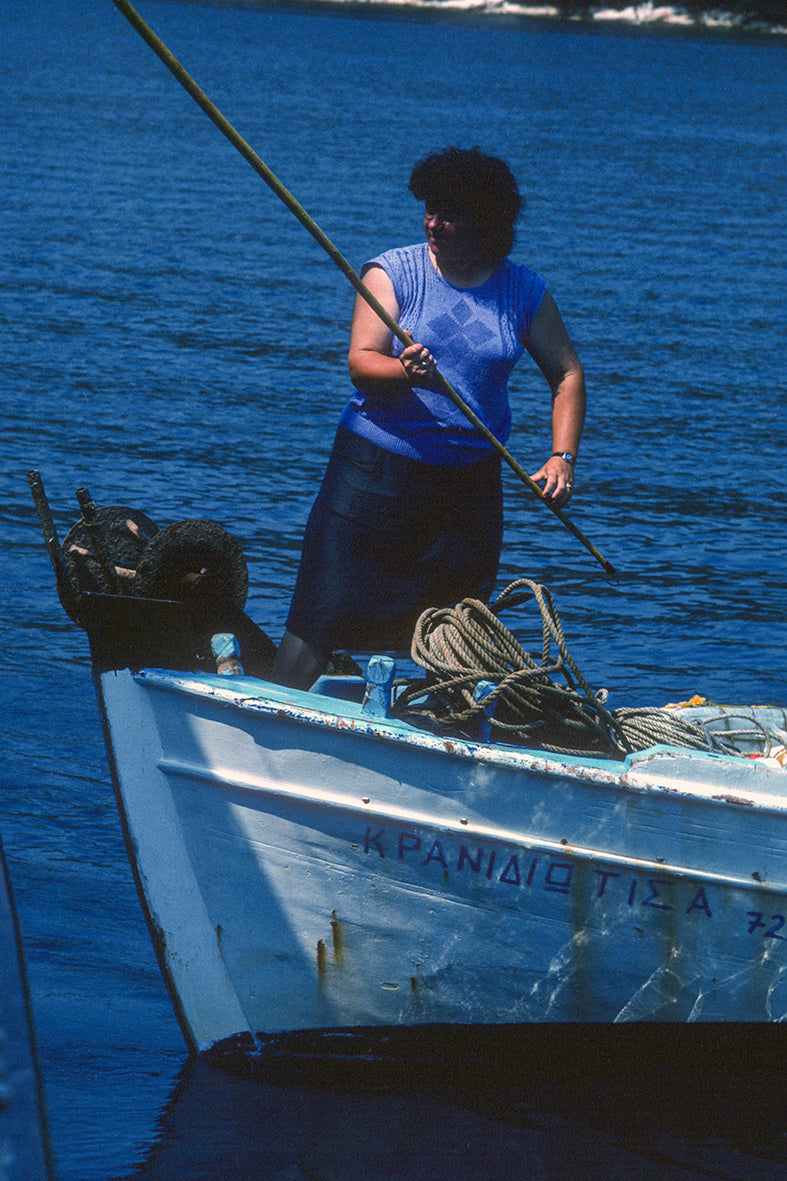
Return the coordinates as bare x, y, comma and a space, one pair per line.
476, 336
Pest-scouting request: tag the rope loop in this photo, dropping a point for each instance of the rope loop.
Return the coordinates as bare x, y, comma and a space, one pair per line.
544, 703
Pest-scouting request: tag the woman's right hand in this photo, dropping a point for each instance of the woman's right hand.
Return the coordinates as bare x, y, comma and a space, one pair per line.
418, 364
372, 366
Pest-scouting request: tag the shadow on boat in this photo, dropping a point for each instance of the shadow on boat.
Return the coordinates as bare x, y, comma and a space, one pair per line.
661, 1103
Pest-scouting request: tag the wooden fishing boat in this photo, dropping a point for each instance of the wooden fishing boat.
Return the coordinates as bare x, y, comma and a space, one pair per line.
327, 860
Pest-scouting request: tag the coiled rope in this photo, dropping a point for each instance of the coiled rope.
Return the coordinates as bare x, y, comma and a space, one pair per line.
477, 671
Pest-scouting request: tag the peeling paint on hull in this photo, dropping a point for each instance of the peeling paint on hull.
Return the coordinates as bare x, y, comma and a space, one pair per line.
305, 867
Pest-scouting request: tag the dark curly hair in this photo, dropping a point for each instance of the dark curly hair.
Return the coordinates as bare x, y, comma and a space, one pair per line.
466, 181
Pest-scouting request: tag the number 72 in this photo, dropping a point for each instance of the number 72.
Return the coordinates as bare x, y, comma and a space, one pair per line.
777, 922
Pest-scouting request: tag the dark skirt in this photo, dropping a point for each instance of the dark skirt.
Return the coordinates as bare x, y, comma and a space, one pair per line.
387, 538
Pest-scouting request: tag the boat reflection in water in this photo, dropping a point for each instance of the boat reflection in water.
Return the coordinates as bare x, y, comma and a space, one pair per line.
542, 1103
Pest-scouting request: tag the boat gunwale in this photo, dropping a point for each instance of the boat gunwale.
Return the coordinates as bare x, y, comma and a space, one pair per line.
629, 774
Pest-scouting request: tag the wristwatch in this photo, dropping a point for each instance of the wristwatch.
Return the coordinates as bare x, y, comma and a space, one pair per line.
569, 458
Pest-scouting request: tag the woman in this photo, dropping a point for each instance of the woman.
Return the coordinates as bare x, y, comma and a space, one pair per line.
410, 513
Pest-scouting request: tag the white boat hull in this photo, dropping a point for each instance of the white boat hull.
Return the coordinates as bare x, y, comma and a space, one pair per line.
305, 866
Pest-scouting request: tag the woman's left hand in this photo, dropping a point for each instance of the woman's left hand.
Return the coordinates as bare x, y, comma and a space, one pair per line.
557, 478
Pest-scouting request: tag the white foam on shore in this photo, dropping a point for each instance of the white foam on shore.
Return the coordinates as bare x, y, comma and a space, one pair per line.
667, 14
646, 13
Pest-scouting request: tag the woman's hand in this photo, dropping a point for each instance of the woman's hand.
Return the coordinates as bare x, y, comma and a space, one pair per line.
418, 364
557, 477
550, 347
372, 366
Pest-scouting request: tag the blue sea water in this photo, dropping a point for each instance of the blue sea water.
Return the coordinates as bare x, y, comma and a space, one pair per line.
174, 340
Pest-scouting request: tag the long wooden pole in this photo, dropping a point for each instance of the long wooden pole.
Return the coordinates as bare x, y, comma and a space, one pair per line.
262, 169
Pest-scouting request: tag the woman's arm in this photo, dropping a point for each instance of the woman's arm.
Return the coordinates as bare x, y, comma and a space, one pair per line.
550, 347
371, 365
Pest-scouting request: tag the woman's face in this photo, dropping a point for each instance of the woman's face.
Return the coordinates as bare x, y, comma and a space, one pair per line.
450, 236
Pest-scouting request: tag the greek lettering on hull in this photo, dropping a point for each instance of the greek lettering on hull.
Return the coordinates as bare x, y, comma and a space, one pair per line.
529, 870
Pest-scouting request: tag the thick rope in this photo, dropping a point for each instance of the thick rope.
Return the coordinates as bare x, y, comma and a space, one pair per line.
463, 647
